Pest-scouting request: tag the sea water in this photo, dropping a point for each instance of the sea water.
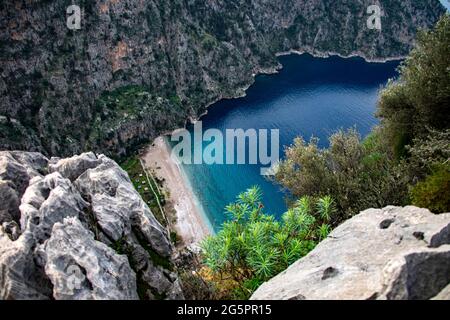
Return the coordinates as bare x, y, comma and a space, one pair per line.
308, 97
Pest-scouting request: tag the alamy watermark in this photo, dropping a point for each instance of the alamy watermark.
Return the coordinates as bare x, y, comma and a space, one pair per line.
374, 20
73, 21
75, 278
74, 14
236, 146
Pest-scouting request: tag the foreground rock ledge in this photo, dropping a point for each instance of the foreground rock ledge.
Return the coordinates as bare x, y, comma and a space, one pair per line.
390, 253
77, 229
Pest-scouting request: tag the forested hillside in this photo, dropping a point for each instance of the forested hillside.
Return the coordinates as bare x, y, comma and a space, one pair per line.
138, 68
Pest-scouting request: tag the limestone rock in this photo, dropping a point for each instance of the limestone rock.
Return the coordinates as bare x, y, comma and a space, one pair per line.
84, 232
417, 275
16, 170
49, 200
72, 168
20, 276
444, 294
81, 268
124, 218
390, 253
118, 207
9, 202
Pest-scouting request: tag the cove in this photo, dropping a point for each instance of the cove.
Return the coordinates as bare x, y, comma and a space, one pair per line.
308, 97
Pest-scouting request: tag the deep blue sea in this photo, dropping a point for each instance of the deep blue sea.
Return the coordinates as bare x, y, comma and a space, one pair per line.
309, 97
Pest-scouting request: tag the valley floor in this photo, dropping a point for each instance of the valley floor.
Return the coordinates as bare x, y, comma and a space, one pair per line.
190, 224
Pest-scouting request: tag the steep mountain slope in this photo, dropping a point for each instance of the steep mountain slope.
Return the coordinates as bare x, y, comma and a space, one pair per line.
138, 68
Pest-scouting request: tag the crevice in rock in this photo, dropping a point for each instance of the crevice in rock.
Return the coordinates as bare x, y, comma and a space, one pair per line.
40, 279
418, 235
329, 272
157, 259
89, 220
374, 296
386, 223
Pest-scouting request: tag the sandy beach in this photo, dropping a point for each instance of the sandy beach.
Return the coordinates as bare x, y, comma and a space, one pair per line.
189, 221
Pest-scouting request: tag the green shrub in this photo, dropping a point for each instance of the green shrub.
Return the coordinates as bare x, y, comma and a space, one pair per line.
357, 174
428, 152
252, 246
434, 192
208, 42
419, 100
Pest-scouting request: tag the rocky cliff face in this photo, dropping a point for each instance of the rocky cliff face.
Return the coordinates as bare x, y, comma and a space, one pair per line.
76, 229
138, 68
390, 253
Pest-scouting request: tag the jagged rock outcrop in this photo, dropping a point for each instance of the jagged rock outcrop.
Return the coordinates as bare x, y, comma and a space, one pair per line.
16, 170
95, 270
390, 253
76, 229
138, 68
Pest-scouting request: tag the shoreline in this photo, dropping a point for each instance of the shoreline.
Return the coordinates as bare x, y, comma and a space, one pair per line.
191, 224
242, 91
329, 54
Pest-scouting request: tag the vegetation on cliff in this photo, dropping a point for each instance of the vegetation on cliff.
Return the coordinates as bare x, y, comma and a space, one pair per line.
253, 246
147, 188
57, 84
405, 159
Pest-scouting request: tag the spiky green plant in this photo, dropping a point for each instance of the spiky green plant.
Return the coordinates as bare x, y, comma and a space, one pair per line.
252, 246
325, 208
323, 231
303, 205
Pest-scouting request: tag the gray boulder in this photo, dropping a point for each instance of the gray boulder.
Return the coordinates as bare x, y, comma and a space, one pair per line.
125, 219
417, 275
20, 167
9, 202
390, 253
118, 207
49, 200
81, 268
78, 221
444, 294
16, 171
20, 276
72, 168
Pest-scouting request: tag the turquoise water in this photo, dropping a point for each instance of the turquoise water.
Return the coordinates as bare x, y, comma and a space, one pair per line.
310, 96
